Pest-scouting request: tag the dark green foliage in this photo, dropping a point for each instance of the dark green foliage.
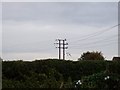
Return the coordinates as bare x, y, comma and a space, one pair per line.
101, 80
91, 56
58, 73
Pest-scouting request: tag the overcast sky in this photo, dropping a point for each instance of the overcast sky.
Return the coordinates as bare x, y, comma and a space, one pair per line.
30, 29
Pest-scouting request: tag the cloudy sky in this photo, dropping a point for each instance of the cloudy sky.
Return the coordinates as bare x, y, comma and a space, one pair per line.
30, 29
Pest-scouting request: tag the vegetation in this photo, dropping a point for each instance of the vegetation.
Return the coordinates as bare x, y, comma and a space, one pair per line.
92, 56
54, 73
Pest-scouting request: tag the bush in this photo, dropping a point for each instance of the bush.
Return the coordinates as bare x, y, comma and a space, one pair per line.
91, 56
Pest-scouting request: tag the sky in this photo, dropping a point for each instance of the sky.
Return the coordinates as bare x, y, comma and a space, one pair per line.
59, 0
119, 30
29, 29
1, 29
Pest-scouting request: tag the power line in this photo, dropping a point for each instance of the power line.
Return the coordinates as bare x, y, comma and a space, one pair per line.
98, 41
105, 45
88, 36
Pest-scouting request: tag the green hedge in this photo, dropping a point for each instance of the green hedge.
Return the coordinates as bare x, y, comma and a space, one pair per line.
52, 73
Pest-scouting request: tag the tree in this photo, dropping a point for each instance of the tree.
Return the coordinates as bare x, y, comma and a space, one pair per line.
91, 56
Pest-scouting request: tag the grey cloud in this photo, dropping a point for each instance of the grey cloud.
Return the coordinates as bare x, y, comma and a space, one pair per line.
33, 27
75, 13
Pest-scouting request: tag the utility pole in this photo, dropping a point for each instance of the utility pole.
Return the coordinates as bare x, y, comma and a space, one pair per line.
59, 47
64, 47
63, 43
